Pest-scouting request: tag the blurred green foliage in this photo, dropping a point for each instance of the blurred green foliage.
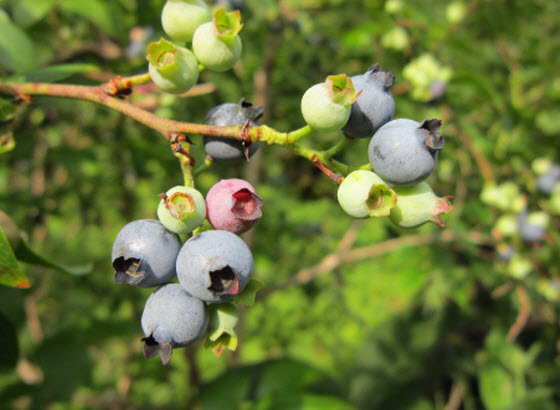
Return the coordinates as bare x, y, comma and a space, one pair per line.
424, 324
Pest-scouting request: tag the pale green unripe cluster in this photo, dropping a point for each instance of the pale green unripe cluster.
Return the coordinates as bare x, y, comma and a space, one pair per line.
216, 44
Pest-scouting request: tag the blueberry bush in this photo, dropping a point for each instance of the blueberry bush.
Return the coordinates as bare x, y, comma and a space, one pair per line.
294, 204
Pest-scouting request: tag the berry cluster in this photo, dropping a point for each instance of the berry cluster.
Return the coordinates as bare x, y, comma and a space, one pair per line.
213, 266
402, 152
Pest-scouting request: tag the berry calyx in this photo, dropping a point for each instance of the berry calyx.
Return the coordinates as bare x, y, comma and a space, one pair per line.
233, 205
362, 193
172, 68
417, 205
182, 209
326, 106
216, 44
180, 18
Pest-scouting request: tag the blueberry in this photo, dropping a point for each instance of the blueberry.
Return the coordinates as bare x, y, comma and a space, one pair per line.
363, 194
216, 44
144, 254
532, 226
547, 181
181, 209
172, 318
231, 114
233, 205
180, 18
374, 107
214, 266
326, 106
172, 68
416, 205
405, 152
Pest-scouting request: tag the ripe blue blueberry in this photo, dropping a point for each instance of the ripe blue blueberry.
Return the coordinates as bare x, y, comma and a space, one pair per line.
144, 254
214, 266
375, 105
532, 226
547, 181
405, 152
231, 114
172, 318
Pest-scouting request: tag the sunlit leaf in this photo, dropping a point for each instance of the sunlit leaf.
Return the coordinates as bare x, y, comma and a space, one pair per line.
10, 272
58, 72
17, 53
28, 12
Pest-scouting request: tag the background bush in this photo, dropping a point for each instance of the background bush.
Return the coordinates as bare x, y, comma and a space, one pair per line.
421, 319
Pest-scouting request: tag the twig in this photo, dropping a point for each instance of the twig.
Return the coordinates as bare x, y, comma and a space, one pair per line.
523, 315
456, 396
338, 258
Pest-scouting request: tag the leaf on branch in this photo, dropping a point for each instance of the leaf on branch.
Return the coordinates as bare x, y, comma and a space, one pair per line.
10, 272
17, 53
23, 252
58, 72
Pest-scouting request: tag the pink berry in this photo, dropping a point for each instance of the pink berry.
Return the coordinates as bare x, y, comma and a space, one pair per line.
233, 205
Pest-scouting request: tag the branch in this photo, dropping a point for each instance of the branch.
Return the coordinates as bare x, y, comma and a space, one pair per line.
112, 93
523, 315
345, 256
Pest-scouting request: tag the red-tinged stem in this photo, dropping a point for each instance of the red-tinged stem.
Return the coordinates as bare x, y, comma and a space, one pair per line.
336, 178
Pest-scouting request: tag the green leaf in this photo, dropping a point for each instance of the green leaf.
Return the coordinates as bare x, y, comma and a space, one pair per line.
96, 11
29, 12
9, 351
17, 53
7, 142
10, 272
501, 375
7, 109
247, 297
58, 72
221, 333
23, 252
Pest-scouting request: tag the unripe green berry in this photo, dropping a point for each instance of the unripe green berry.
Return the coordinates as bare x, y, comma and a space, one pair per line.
172, 68
216, 44
180, 18
182, 209
363, 194
327, 106
418, 204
